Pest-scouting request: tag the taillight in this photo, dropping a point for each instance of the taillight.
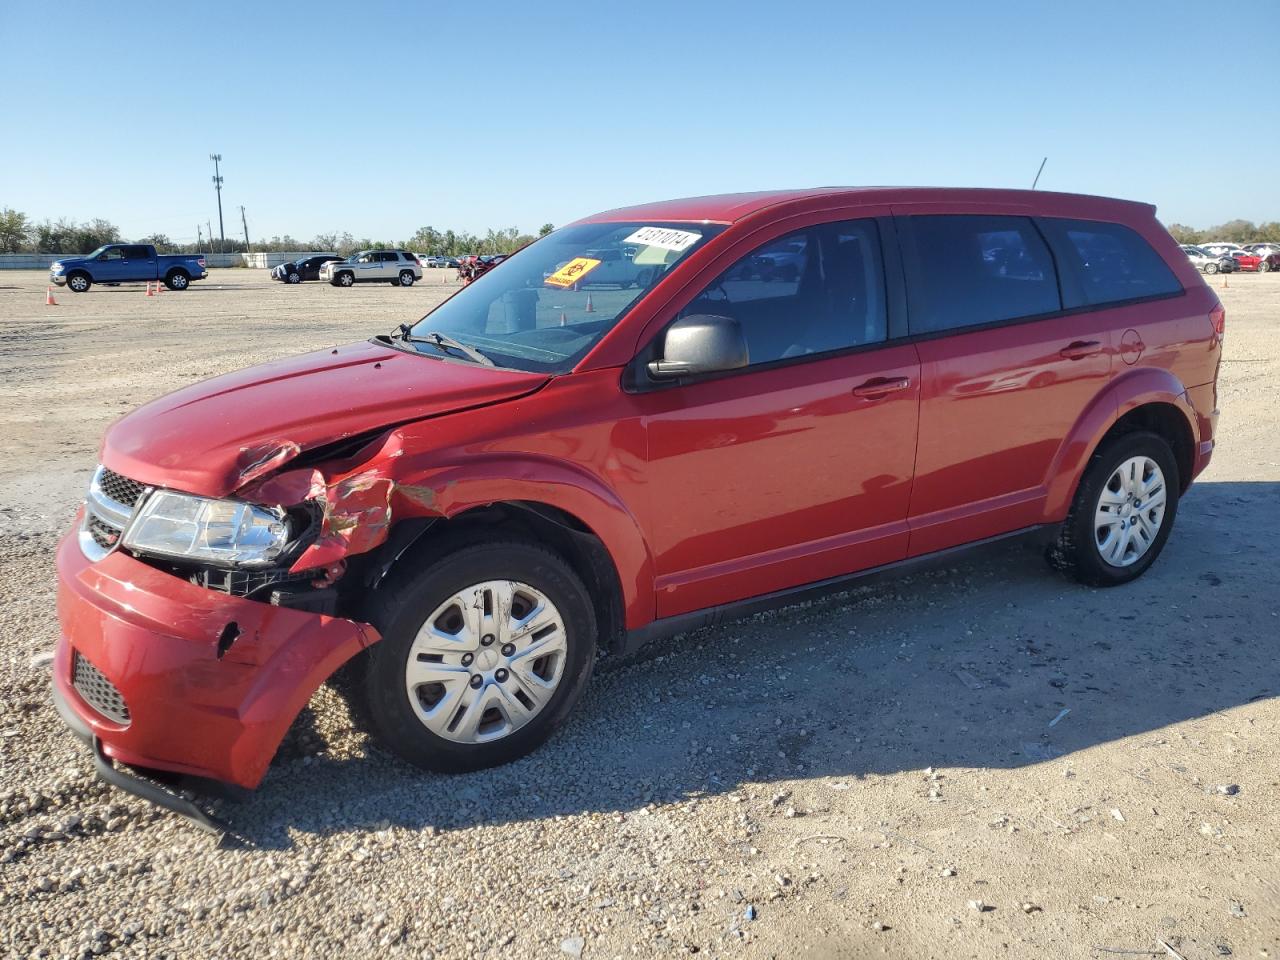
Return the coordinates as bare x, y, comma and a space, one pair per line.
200, 260
1218, 317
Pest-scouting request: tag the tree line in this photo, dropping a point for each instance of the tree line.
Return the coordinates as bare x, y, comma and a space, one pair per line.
19, 234
1233, 231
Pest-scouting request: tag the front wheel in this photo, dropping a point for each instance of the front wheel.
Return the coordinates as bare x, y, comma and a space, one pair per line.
484, 653
1264, 267
177, 280
406, 278
295, 277
1122, 513
1210, 268
79, 282
344, 280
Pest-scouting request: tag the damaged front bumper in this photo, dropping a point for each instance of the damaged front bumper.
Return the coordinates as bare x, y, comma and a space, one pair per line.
164, 674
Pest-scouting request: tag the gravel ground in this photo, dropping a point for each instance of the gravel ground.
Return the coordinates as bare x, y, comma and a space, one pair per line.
982, 761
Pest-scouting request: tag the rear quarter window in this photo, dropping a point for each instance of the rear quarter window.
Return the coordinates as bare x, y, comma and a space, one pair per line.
1112, 262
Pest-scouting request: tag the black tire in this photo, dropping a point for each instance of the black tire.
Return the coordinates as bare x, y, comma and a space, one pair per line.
1076, 552
344, 279
295, 277
401, 607
1210, 267
1264, 267
177, 280
79, 282
406, 278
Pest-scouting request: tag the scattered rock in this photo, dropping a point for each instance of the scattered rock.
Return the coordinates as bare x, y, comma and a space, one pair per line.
980, 906
879, 927
1116, 814
1030, 908
750, 913
1237, 910
948, 872
572, 946
1228, 789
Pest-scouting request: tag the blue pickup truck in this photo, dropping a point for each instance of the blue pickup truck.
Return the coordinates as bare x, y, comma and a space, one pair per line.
128, 263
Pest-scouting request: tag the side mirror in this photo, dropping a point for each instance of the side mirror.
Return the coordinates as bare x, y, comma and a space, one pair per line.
702, 343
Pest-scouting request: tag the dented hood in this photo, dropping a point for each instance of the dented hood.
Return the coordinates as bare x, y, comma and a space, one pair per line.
212, 437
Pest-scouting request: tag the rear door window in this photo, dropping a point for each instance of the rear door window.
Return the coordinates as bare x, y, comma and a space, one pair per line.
966, 271
1112, 262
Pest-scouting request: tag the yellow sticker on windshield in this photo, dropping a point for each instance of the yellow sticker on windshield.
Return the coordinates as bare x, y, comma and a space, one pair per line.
572, 272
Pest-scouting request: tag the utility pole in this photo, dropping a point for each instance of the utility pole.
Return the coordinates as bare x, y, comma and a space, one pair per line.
199, 238
244, 224
217, 185
210, 226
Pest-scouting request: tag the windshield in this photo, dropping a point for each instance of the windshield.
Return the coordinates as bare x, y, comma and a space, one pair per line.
544, 307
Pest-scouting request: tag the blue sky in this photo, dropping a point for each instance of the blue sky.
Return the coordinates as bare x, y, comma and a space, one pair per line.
351, 117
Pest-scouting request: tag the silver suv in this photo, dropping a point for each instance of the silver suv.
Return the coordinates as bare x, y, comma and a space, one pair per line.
397, 267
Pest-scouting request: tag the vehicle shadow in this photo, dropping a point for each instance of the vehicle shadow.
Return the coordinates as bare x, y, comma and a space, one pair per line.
965, 666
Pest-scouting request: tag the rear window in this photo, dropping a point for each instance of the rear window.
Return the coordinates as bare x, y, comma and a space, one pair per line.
1113, 262
965, 271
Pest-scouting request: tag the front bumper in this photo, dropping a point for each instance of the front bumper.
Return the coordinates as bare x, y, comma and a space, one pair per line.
58, 278
196, 705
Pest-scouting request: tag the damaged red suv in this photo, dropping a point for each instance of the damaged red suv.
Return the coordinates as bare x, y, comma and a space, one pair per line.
803, 388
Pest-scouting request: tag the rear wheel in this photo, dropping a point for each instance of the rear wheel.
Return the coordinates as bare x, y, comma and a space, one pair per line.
484, 653
1211, 267
1123, 511
406, 278
1264, 267
177, 280
79, 282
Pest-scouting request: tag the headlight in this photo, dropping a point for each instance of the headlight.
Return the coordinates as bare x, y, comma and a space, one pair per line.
56, 268
184, 527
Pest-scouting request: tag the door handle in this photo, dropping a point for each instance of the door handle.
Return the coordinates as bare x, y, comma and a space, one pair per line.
1080, 349
881, 386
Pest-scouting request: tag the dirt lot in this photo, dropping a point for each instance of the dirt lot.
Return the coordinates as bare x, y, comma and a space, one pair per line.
840, 779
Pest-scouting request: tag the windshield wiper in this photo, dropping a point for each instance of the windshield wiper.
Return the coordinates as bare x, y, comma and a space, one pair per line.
444, 342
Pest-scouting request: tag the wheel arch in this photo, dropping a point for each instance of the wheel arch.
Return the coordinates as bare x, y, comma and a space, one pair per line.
1143, 399
422, 540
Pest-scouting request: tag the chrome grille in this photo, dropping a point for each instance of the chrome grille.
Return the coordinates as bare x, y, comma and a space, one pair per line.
97, 691
103, 534
120, 489
108, 509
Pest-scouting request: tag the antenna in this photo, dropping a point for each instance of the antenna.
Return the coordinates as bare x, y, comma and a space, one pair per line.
1038, 172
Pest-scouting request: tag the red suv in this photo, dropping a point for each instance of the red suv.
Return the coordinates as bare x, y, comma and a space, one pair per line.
543, 471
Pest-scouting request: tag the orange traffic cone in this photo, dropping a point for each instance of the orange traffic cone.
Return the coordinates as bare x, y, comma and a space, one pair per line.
150, 292
48, 298
590, 308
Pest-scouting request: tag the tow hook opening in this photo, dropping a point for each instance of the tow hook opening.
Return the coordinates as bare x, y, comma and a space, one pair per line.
229, 635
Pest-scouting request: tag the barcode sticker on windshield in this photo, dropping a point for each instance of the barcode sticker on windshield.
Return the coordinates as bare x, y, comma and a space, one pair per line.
664, 237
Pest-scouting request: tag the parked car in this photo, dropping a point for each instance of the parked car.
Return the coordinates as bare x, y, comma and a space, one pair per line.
1248, 262
1223, 249
308, 268
117, 263
1207, 262
437, 261
1270, 263
396, 267
477, 506
1265, 246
